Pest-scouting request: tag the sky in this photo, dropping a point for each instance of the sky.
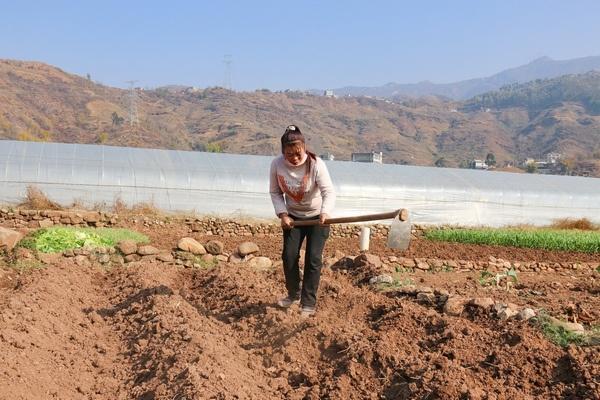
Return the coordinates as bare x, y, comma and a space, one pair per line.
284, 44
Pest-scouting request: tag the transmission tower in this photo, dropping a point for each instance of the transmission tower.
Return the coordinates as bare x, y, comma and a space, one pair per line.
228, 60
133, 114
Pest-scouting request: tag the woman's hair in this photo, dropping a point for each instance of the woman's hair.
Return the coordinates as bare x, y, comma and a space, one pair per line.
293, 136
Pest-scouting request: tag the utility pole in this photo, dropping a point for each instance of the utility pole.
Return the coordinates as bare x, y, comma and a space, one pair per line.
133, 114
228, 60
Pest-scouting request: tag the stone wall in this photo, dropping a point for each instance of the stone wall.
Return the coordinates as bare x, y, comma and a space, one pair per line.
19, 218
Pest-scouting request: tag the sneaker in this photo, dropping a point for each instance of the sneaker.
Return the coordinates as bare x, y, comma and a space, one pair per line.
287, 302
307, 311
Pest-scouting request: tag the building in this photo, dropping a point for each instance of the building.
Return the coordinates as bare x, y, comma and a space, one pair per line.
478, 164
327, 156
328, 93
553, 158
372, 157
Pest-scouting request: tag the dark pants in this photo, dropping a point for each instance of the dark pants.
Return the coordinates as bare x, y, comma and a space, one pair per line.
313, 260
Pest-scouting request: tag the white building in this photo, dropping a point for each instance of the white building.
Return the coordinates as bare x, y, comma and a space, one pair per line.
478, 164
372, 157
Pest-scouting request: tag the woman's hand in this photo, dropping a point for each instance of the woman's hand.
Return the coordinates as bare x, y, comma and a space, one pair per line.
286, 221
322, 218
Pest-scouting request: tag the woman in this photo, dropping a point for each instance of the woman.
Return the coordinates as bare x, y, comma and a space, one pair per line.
301, 189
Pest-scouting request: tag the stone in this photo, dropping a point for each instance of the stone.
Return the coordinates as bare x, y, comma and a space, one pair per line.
127, 247
260, 263
104, 259
45, 223
222, 257
214, 247
49, 258
9, 238
208, 258
68, 253
526, 314
426, 298
117, 259
367, 259
246, 248
423, 265
91, 216
410, 290
82, 261
454, 306
147, 250
483, 302
165, 257
381, 279
507, 313
407, 262
196, 227
76, 220
191, 245
131, 258
235, 258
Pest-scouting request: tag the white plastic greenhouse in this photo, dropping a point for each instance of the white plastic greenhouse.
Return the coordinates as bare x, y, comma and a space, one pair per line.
231, 185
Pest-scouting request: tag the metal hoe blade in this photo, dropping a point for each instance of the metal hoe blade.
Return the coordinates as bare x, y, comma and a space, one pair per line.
400, 231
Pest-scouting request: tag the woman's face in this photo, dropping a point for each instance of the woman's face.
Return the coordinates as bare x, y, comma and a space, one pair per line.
294, 153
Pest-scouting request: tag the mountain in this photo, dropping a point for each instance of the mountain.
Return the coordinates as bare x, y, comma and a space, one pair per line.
41, 102
541, 68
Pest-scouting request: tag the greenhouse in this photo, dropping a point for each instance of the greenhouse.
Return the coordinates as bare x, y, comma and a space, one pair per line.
234, 185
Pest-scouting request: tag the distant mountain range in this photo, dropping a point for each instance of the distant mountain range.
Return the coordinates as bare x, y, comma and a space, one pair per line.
541, 68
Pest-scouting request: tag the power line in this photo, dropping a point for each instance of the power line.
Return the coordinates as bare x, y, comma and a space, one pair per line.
133, 114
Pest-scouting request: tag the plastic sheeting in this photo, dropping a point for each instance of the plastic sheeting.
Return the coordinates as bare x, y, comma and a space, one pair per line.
233, 185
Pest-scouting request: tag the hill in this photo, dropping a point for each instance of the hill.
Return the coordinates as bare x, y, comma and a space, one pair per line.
41, 102
541, 68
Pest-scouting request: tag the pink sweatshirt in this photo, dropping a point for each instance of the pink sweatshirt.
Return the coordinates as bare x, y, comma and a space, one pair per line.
301, 194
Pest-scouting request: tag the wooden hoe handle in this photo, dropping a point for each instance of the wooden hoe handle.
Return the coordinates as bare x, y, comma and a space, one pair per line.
402, 214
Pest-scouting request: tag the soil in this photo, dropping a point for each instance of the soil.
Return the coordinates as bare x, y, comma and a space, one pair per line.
151, 330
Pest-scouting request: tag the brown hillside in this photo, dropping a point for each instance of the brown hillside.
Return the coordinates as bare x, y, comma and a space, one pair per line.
41, 102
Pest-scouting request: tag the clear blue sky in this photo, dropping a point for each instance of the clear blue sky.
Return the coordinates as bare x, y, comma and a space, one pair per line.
295, 44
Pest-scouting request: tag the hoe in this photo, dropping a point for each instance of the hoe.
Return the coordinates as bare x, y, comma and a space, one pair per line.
398, 237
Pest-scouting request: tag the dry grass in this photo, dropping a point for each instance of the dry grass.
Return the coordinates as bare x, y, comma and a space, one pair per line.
583, 224
37, 200
144, 208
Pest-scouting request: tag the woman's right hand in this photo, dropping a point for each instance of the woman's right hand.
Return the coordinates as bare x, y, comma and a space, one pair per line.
286, 221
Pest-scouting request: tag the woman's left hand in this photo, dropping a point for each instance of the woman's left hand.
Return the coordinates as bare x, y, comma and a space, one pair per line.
322, 218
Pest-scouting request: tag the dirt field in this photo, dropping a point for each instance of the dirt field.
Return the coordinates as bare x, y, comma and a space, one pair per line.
151, 330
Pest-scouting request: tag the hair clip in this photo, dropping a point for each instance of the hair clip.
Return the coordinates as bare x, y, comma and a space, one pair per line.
291, 128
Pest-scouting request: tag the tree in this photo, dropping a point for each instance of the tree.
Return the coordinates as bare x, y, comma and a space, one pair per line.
531, 168
441, 162
116, 119
102, 137
490, 159
213, 148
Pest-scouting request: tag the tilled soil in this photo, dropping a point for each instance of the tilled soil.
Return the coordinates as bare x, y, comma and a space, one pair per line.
152, 330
